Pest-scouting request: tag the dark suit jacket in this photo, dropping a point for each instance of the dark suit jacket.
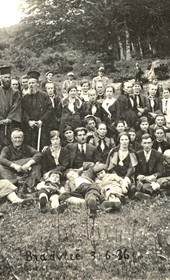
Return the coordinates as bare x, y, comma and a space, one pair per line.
160, 105
164, 145
87, 107
90, 153
156, 106
155, 164
55, 118
122, 109
144, 102
48, 162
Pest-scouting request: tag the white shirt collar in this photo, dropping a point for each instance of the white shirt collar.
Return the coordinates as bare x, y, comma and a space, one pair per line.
147, 154
80, 147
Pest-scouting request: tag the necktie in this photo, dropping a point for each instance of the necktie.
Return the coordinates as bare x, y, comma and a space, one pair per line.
82, 149
137, 101
147, 156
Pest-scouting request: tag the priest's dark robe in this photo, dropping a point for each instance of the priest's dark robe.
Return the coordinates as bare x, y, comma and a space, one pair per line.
10, 108
36, 107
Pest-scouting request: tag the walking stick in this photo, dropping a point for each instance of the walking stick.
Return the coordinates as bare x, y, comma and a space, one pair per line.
5, 138
39, 139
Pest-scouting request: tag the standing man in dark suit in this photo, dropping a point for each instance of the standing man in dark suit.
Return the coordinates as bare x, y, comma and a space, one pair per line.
149, 168
54, 121
81, 152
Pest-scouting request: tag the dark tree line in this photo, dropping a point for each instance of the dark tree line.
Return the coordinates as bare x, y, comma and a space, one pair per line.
113, 29
118, 28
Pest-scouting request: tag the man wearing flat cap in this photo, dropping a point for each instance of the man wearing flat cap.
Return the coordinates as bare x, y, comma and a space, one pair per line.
10, 107
100, 78
37, 111
49, 78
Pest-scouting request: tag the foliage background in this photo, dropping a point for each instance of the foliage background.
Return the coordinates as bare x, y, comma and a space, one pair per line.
80, 35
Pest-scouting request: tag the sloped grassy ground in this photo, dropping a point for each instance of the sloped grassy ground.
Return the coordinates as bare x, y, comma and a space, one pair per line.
131, 244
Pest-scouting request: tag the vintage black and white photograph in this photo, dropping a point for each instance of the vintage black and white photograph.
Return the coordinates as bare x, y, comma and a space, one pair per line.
84, 140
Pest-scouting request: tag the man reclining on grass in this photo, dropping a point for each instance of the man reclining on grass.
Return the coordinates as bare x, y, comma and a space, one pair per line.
82, 188
112, 187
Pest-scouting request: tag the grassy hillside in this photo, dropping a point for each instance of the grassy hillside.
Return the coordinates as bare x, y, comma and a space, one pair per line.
131, 244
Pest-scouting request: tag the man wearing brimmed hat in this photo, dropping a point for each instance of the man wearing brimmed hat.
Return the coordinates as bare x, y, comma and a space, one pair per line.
10, 107
70, 81
37, 110
100, 78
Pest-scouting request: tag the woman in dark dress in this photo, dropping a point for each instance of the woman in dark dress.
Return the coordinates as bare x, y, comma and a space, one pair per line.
70, 109
55, 157
122, 159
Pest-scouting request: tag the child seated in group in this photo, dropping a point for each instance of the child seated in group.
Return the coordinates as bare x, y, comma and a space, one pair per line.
80, 188
112, 187
164, 181
50, 189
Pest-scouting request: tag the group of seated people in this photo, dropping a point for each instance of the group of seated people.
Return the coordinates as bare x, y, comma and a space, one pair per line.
93, 147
